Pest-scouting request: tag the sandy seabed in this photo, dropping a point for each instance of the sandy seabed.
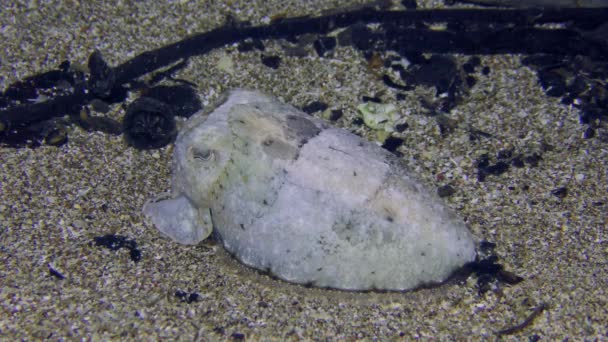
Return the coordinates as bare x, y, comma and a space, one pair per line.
55, 200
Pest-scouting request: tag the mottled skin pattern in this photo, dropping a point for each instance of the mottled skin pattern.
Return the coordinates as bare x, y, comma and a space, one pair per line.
286, 193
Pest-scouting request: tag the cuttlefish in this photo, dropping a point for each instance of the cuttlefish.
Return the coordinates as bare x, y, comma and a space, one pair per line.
287, 193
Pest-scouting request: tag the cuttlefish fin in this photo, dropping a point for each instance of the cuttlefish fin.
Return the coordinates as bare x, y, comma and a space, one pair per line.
179, 219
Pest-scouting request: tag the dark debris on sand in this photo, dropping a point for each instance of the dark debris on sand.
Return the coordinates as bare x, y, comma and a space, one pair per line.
570, 61
117, 242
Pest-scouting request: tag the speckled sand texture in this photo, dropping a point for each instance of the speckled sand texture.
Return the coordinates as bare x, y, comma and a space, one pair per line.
54, 201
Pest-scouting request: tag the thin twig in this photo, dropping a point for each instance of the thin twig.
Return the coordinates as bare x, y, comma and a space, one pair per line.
517, 328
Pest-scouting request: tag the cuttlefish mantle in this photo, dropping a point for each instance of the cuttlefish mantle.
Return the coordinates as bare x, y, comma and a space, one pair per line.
288, 193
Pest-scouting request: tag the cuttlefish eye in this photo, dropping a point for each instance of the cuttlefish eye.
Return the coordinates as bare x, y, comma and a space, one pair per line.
201, 154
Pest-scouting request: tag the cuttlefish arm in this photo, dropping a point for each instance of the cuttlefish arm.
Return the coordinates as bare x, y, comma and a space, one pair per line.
179, 219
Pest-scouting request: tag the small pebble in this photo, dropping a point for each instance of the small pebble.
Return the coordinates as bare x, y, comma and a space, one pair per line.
335, 114
504, 154
272, 62
445, 191
374, 99
589, 133
533, 159
187, 297
400, 127
55, 273
560, 192
238, 336
392, 143
315, 106
517, 162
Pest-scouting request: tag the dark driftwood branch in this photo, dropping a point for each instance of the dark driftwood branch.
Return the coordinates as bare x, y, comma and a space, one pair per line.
203, 43
468, 31
538, 3
35, 112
